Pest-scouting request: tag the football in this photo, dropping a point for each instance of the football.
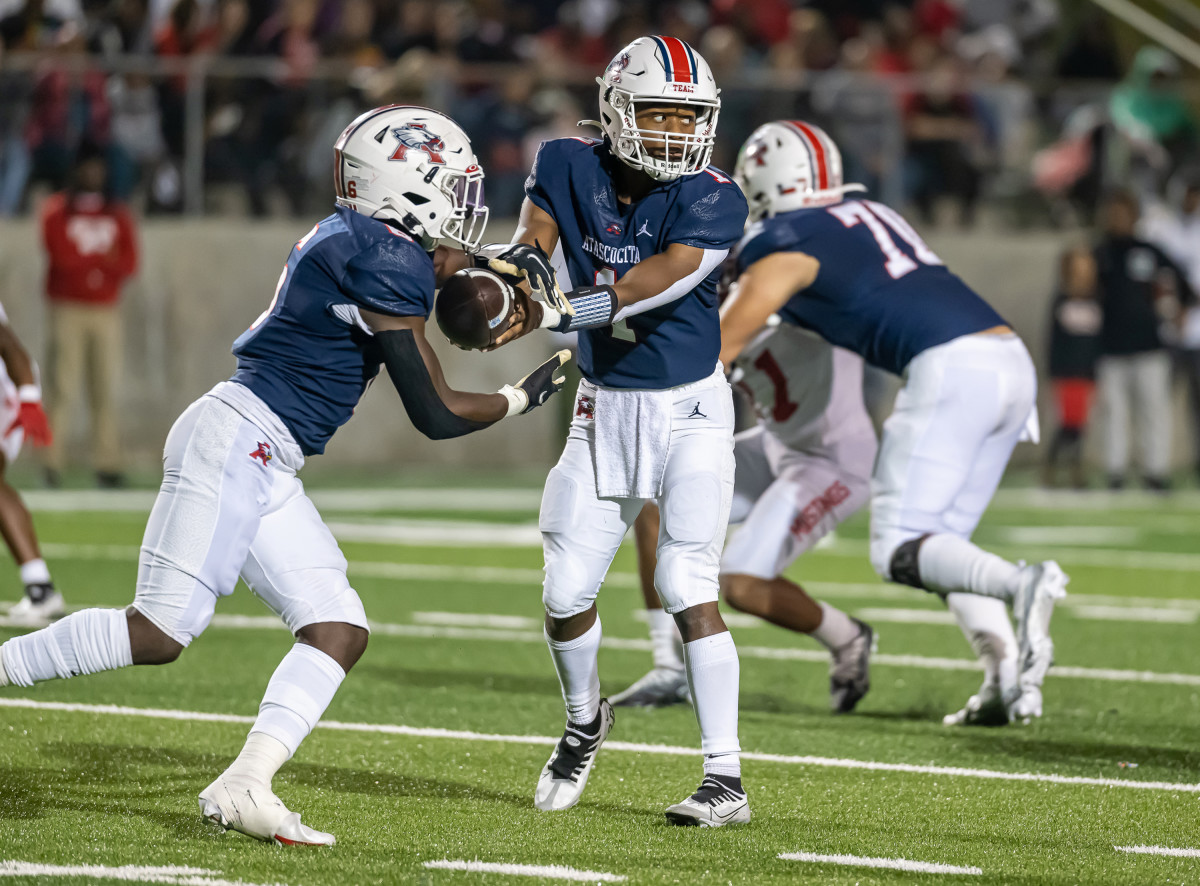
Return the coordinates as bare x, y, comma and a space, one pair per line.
474, 307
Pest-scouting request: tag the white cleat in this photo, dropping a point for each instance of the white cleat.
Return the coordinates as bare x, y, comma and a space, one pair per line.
27, 614
1028, 706
716, 803
250, 807
1042, 585
850, 670
657, 689
566, 773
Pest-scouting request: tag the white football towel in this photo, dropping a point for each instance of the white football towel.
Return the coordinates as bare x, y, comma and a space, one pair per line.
633, 436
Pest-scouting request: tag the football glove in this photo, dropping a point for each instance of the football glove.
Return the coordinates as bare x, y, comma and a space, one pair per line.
530, 263
31, 417
536, 388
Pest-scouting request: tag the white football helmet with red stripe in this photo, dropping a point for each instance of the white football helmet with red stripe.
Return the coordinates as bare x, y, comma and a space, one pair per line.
657, 71
415, 167
790, 164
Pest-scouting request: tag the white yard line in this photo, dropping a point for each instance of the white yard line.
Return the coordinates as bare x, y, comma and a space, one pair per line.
180, 876
1159, 850
330, 500
476, 620
626, 746
907, 616
1067, 535
1134, 613
548, 871
771, 653
893, 864
509, 575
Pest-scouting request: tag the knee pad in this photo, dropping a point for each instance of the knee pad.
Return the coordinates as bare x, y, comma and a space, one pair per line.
336, 602
569, 587
903, 562
685, 576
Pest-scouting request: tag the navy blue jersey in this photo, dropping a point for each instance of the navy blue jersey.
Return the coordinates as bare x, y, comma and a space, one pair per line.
880, 291
307, 356
673, 344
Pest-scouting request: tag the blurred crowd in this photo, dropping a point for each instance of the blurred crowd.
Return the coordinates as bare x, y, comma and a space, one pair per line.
933, 101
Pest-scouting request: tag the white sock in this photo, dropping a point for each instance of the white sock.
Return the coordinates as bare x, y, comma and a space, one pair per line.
713, 672
578, 664
84, 642
836, 628
948, 563
665, 640
35, 572
299, 692
260, 758
984, 622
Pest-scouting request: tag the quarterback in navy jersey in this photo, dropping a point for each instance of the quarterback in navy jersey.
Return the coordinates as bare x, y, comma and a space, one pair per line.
354, 294
637, 225
855, 272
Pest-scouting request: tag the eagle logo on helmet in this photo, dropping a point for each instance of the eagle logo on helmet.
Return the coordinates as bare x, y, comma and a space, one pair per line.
417, 137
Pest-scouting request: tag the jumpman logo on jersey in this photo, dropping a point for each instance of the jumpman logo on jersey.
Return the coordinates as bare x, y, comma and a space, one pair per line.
696, 413
263, 451
644, 229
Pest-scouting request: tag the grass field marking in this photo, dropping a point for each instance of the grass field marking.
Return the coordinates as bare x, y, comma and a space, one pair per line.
520, 576
632, 644
892, 864
180, 876
476, 620
1135, 613
1101, 536
627, 746
1159, 850
546, 871
907, 616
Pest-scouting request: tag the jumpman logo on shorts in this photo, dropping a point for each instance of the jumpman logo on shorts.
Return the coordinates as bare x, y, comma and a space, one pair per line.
696, 413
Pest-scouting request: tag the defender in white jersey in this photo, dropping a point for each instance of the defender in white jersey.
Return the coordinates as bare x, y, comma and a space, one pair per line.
21, 416
804, 468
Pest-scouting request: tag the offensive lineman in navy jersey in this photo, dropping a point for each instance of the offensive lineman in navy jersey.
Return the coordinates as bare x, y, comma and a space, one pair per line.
355, 293
638, 225
855, 272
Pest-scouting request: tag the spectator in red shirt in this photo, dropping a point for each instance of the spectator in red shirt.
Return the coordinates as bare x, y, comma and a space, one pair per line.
91, 248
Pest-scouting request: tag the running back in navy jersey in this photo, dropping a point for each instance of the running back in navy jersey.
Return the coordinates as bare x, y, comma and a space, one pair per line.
308, 355
880, 291
601, 238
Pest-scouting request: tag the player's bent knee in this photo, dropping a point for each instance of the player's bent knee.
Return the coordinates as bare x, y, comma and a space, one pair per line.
680, 580
571, 584
344, 643
736, 590
148, 644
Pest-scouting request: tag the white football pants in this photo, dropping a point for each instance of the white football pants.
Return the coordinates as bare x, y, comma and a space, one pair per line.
581, 531
230, 505
963, 407
788, 500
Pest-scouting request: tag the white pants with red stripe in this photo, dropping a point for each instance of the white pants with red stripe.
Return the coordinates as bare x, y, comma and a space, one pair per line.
231, 505
787, 500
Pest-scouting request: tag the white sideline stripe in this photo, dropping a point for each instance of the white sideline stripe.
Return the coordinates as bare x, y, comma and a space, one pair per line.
893, 864
772, 653
181, 876
520, 576
439, 533
549, 871
629, 746
1159, 850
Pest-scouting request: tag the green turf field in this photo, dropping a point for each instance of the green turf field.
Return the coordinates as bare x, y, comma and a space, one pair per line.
430, 752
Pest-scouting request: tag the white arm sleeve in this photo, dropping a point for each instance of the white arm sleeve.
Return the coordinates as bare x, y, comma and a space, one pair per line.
710, 260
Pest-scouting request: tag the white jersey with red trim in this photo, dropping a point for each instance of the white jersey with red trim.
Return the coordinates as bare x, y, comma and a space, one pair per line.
806, 392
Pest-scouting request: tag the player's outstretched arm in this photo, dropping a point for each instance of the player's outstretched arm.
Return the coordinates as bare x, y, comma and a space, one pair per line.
30, 414
437, 410
762, 290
